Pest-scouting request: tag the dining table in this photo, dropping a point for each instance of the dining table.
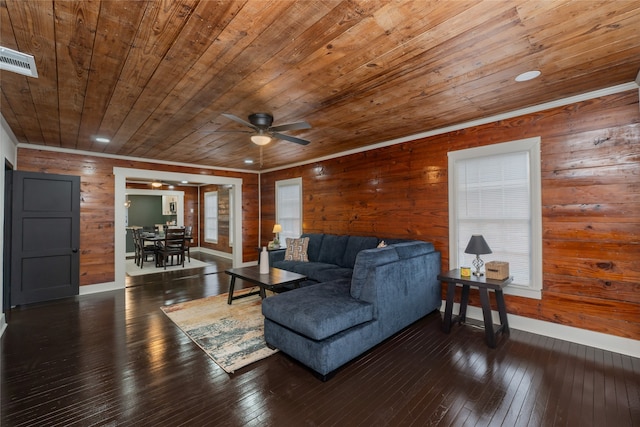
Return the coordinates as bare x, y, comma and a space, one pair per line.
156, 238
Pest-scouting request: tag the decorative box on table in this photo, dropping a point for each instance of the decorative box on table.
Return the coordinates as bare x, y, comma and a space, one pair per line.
497, 270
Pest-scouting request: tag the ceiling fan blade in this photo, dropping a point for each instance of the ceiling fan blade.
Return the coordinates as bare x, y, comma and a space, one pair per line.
224, 131
291, 126
290, 138
239, 120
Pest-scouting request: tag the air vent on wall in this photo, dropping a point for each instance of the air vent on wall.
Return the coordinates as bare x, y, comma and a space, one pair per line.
18, 62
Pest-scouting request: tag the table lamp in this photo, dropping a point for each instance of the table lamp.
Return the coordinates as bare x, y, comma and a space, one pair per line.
277, 228
477, 246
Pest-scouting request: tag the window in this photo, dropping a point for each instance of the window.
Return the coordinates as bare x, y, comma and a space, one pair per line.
289, 207
211, 217
231, 217
495, 191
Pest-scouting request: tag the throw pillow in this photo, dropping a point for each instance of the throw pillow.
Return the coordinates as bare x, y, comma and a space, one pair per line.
297, 249
382, 244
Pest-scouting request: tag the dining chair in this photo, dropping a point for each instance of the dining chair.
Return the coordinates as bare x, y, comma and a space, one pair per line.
173, 244
136, 246
145, 250
188, 235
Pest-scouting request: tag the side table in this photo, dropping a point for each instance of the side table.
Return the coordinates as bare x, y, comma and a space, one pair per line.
483, 284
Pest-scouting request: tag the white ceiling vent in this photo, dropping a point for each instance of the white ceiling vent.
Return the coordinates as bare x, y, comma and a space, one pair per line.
18, 62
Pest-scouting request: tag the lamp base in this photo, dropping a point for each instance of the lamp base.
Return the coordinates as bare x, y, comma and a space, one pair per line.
478, 263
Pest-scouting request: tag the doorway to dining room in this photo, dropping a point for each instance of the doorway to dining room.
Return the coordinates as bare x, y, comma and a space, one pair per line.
123, 174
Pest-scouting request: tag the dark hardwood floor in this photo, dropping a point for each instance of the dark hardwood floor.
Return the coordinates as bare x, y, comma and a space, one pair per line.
115, 359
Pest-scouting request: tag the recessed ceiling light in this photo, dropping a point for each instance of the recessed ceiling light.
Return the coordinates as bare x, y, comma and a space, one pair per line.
102, 139
529, 75
184, 182
249, 162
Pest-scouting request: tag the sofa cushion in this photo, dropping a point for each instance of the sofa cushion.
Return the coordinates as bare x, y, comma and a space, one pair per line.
316, 271
312, 269
333, 274
332, 249
315, 241
365, 262
355, 244
320, 311
413, 249
296, 249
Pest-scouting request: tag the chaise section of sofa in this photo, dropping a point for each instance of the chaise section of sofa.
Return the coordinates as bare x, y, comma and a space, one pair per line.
327, 325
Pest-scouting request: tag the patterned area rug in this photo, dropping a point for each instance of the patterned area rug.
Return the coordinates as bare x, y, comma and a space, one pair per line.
232, 335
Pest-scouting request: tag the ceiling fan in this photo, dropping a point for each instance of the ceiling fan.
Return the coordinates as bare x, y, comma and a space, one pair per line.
263, 132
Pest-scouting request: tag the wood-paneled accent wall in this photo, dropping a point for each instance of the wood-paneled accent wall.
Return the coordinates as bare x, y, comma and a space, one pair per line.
97, 204
590, 197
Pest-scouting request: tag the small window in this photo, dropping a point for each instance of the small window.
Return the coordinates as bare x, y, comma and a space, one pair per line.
289, 207
232, 220
495, 191
211, 217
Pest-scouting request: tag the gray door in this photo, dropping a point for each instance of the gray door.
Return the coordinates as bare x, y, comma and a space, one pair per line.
45, 263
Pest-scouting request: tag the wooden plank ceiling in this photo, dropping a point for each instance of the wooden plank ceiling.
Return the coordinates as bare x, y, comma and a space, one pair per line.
155, 76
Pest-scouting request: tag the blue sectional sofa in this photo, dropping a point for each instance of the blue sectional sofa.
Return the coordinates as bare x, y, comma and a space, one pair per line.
329, 323
330, 256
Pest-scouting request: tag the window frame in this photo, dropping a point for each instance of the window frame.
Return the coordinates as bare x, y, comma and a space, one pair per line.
288, 233
232, 219
207, 239
532, 147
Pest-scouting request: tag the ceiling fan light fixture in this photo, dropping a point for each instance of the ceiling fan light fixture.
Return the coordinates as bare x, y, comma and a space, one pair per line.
260, 139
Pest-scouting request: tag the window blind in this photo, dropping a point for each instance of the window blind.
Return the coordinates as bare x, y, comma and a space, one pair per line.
493, 199
211, 216
289, 208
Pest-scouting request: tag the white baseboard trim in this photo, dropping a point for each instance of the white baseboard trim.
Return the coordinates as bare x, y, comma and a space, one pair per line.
599, 340
3, 324
214, 252
100, 287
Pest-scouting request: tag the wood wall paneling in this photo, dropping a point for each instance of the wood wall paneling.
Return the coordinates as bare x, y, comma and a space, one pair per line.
590, 205
223, 219
590, 193
97, 204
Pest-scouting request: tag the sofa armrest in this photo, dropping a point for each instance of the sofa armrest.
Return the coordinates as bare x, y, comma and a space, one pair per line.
277, 255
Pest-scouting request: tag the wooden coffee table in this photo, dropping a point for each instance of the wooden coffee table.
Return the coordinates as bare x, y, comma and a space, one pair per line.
274, 281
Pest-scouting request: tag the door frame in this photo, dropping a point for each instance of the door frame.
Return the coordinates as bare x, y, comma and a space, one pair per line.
122, 174
6, 236
159, 193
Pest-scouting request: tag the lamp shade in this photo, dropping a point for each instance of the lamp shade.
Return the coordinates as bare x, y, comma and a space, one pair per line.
277, 228
477, 246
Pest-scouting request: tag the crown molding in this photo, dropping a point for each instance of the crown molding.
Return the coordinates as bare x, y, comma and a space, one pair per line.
128, 158
521, 112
